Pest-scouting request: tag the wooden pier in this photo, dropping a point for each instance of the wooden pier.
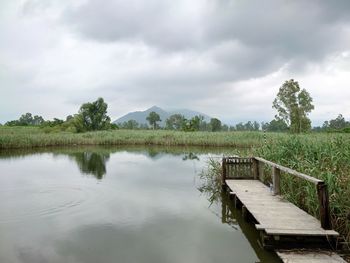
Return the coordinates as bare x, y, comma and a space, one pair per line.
282, 225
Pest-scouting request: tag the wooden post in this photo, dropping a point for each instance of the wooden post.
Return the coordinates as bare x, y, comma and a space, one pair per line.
276, 177
261, 171
223, 175
245, 213
323, 198
255, 168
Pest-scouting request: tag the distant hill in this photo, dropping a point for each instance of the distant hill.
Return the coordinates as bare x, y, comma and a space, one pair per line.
140, 116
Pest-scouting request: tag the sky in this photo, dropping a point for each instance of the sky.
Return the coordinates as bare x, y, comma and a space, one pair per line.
225, 58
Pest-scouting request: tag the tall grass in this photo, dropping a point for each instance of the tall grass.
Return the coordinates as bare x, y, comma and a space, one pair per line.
326, 157
28, 137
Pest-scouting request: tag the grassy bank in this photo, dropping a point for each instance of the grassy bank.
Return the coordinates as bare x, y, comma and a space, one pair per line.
29, 137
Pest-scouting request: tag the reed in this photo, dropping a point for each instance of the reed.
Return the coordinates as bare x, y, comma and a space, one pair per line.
326, 157
29, 137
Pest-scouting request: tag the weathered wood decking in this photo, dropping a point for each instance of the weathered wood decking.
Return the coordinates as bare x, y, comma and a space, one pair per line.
273, 214
309, 257
281, 223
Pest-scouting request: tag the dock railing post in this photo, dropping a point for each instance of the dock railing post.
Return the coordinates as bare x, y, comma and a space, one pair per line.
276, 179
323, 198
255, 168
261, 171
223, 170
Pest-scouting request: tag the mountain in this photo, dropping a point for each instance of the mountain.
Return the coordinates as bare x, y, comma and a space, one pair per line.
140, 116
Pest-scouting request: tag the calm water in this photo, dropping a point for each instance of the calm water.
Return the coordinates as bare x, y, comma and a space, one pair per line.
117, 205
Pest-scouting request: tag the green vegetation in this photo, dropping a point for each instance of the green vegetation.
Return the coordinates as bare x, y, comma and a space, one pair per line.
153, 118
92, 116
293, 106
321, 155
28, 137
339, 124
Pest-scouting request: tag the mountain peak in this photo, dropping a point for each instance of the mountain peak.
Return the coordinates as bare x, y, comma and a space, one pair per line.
154, 108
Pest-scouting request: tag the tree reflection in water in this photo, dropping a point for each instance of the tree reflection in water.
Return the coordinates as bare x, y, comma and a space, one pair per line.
91, 163
190, 156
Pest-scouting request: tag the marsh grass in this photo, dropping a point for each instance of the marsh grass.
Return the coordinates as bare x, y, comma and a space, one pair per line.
29, 137
326, 157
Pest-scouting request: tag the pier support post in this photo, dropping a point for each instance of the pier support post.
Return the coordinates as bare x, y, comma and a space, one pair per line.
323, 198
255, 168
261, 171
276, 179
223, 172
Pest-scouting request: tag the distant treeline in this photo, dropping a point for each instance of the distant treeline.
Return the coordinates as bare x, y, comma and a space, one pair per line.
174, 122
92, 116
197, 123
338, 124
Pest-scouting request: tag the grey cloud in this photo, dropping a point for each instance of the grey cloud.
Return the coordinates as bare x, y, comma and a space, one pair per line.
266, 35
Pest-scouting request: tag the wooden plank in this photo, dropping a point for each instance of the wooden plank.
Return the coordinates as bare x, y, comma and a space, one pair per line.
275, 215
305, 256
276, 181
300, 232
290, 171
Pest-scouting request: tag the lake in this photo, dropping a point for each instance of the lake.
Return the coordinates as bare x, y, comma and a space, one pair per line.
112, 204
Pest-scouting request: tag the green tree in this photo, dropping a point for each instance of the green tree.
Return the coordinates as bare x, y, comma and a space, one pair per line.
37, 120
337, 123
175, 122
192, 124
130, 124
275, 126
26, 119
293, 106
153, 118
69, 117
92, 116
215, 124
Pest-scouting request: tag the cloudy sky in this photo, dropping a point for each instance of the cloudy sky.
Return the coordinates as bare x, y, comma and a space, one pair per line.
221, 57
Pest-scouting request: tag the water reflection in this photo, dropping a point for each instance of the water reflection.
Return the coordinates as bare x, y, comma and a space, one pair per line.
190, 156
211, 182
92, 160
145, 212
91, 163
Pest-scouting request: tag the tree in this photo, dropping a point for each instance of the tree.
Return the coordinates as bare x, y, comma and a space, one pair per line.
293, 106
275, 126
153, 118
338, 123
130, 124
175, 122
215, 124
26, 119
69, 117
192, 124
92, 116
